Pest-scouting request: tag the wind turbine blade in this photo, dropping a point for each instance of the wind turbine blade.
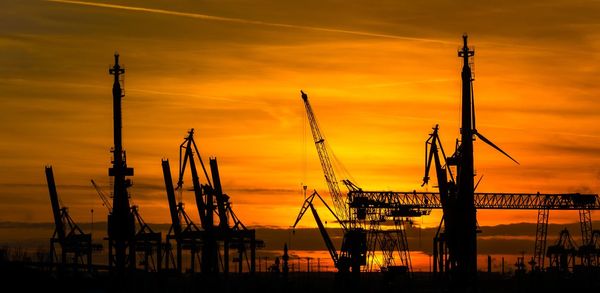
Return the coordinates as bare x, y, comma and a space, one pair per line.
494, 146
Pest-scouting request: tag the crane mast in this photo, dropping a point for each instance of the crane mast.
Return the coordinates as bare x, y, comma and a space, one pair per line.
212, 242
445, 237
464, 211
121, 226
204, 201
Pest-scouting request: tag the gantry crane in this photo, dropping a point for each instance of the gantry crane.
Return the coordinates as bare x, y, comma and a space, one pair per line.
187, 235
589, 252
208, 239
562, 254
71, 238
459, 201
388, 203
204, 201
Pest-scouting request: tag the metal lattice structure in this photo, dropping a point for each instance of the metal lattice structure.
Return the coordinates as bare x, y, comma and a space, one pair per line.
395, 202
541, 235
589, 252
339, 204
75, 245
562, 254
585, 221
364, 236
148, 243
209, 243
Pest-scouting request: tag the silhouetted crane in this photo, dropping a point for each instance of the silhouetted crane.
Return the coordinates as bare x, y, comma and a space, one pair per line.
211, 202
71, 238
147, 242
341, 262
354, 247
457, 197
121, 226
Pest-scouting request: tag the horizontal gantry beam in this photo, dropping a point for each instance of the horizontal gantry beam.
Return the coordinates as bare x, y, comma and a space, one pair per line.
512, 201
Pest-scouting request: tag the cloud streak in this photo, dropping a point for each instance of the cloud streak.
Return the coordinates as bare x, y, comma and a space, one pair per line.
248, 21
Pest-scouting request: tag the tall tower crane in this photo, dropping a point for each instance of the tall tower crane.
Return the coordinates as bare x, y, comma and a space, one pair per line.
210, 241
121, 226
464, 212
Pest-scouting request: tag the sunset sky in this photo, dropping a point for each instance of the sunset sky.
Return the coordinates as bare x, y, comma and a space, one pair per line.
379, 77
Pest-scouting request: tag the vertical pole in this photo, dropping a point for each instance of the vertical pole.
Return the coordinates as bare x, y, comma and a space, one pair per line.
167, 252
241, 257
226, 256
89, 255
146, 258
435, 255
132, 256
52, 253
159, 254
252, 252
193, 252
179, 257
110, 254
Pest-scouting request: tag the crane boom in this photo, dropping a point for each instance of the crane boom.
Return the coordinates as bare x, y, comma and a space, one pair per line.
325, 235
332, 183
173, 207
328, 242
56, 210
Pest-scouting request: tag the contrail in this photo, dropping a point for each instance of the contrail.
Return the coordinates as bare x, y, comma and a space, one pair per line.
247, 21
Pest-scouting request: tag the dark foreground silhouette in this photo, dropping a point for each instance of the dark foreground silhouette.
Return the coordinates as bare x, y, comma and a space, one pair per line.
30, 277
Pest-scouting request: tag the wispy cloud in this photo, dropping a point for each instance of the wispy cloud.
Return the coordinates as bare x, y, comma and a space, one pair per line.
249, 21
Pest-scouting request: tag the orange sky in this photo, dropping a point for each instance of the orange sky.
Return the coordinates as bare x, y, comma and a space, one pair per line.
378, 77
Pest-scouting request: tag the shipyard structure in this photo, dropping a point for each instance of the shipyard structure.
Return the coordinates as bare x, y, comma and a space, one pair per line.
373, 222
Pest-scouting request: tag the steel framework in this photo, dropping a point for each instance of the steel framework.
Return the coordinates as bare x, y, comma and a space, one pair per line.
209, 243
71, 238
395, 202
